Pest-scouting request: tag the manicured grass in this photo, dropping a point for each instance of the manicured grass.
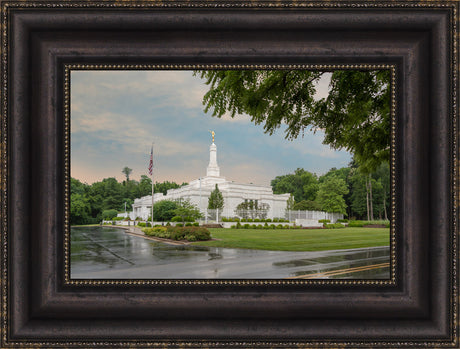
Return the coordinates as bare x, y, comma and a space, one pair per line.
298, 239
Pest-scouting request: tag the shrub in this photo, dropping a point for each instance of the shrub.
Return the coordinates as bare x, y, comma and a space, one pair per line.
260, 226
179, 225
188, 224
186, 233
246, 226
233, 227
272, 226
279, 226
143, 224
286, 226
138, 219
117, 218
238, 225
161, 232
256, 220
276, 220
342, 220
253, 226
243, 220
196, 224
356, 224
176, 219
334, 226
224, 219
268, 220
324, 221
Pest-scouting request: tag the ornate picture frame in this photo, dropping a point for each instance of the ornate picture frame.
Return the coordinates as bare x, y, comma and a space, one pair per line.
43, 307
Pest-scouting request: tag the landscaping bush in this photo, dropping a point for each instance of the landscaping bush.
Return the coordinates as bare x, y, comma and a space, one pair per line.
179, 219
356, 224
143, 224
276, 220
286, 226
272, 226
243, 220
253, 226
250, 220
279, 226
247, 226
233, 227
188, 224
268, 220
260, 226
324, 221
256, 220
179, 225
185, 233
334, 226
161, 232
342, 221
196, 224
118, 218
238, 225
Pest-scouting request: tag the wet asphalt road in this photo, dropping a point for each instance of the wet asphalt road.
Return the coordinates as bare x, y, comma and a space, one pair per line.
109, 253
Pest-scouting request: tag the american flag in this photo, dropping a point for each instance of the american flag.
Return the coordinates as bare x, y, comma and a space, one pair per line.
151, 162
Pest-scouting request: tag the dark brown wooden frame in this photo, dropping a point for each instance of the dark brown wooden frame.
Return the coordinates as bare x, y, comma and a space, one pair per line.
39, 308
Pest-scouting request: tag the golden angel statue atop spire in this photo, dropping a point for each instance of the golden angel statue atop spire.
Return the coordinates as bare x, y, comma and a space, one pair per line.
212, 134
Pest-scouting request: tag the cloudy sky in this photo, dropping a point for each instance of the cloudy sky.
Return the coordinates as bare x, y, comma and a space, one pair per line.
116, 115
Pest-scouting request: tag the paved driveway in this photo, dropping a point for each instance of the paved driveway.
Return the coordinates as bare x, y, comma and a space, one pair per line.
108, 253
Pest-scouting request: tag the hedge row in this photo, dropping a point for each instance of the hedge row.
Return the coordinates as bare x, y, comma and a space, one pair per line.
333, 226
260, 226
179, 233
255, 220
360, 224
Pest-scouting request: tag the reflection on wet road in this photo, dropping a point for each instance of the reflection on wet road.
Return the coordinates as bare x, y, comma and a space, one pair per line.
109, 253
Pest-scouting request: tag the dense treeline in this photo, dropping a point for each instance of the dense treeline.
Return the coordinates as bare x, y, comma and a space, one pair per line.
351, 190
88, 202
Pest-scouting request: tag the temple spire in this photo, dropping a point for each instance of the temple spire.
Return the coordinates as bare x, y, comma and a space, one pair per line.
213, 169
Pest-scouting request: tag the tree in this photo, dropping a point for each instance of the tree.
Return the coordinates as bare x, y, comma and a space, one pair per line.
355, 116
330, 195
109, 214
80, 209
216, 199
302, 184
290, 203
164, 210
127, 171
186, 209
307, 205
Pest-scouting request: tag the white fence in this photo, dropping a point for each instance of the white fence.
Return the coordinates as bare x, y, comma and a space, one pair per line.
211, 216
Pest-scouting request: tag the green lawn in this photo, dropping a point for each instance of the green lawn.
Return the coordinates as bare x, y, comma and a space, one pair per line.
298, 239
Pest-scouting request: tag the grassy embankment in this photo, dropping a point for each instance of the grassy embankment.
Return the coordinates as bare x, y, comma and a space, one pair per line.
298, 239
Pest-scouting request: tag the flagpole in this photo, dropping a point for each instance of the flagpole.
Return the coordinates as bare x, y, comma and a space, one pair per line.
151, 157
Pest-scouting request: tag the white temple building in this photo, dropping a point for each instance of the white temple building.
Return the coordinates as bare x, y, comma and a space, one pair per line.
199, 190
